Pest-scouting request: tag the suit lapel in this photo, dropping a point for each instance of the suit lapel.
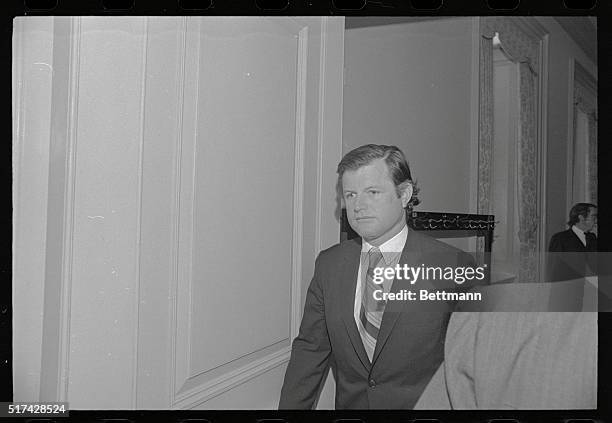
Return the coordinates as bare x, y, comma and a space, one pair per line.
591, 240
410, 254
578, 245
347, 302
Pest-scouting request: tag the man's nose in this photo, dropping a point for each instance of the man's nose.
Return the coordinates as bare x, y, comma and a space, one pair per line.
359, 203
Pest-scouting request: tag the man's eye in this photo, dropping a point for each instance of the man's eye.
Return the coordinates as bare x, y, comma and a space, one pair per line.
372, 191
349, 195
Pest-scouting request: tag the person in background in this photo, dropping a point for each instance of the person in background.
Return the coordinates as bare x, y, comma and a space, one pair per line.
571, 252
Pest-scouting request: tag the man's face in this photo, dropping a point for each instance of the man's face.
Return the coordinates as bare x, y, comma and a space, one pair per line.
587, 223
373, 208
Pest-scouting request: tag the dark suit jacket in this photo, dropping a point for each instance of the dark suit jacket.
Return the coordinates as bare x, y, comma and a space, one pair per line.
569, 258
410, 344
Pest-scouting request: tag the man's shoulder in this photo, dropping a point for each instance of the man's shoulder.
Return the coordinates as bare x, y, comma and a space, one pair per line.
562, 234
340, 250
333, 257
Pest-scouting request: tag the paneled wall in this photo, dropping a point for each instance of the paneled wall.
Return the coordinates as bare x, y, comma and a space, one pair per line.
193, 178
106, 210
32, 82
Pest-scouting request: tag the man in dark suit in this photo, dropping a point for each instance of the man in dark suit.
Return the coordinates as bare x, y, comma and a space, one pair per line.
382, 353
572, 252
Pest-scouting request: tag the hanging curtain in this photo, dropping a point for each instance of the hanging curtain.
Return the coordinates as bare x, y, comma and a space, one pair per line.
527, 176
485, 133
519, 48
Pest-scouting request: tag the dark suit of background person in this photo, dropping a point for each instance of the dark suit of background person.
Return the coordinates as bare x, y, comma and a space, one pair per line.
569, 257
409, 346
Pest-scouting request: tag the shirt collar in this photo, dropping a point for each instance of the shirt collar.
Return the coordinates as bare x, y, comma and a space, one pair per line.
390, 249
578, 231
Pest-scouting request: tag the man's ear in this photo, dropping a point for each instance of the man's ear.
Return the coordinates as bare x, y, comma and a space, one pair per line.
405, 189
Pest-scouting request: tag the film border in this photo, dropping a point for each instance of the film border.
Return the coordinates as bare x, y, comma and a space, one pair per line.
312, 8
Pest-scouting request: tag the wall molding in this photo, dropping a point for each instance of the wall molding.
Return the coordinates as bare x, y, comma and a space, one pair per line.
582, 94
69, 208
298, 182
19, 110
186, 133
187, 390
331, 88
32, 82
320, 136
60, 211
141, 142
202, 393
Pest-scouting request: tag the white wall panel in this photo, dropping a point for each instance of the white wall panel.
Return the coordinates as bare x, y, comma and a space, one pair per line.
32, 86
243, 193
163, 120
180, 148
243, 217
254, 394
106, 214
238, 193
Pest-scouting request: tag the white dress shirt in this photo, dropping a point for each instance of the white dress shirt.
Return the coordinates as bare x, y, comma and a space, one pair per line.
391, 251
